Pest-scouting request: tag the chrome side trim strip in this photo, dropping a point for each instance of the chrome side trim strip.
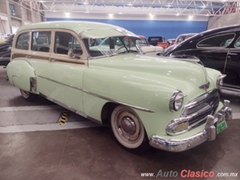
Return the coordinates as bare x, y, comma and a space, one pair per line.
125, 104
102, 97
61, 83
71, 109
228, 90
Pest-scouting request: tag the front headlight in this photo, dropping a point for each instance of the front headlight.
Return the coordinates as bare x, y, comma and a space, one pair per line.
176, 100
220, 80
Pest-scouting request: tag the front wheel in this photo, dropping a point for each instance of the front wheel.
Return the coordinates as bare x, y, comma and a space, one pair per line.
28, 96
128, 129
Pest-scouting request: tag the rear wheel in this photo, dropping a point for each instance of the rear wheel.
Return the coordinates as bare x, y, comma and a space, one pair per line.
128, 129
28, 96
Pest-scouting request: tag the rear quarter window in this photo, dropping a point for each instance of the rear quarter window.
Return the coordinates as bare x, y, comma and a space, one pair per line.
23, 41
237, 43
222, 40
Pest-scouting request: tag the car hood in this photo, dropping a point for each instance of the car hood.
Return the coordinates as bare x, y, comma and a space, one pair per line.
166, 72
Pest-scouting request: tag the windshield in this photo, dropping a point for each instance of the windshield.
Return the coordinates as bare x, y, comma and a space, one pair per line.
110, 46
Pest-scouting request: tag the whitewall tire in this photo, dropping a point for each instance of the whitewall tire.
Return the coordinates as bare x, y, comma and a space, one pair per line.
128, 129
28, 96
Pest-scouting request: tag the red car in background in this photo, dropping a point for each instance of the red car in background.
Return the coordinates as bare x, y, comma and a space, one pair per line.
158, 41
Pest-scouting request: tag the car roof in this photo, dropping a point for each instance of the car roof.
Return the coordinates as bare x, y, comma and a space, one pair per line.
224, 28
86, 29
200, 35
186, 34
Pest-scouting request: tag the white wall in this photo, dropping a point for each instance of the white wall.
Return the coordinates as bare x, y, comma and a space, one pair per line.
225, 20
121, 16
4, 27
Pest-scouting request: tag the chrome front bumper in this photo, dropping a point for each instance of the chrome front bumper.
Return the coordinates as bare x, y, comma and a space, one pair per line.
209, 133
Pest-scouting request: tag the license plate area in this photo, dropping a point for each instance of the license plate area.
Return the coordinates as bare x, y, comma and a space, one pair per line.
221, 125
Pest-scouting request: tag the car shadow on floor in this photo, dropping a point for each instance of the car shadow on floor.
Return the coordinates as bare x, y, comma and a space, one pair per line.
91, 153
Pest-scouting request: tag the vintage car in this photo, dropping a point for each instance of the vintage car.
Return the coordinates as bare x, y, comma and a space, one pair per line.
171, 42
97, 71
183, 37
216, 48
147, 48
158, 41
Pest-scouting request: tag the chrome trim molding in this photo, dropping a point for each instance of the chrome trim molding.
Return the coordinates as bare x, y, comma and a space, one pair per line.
194, 113
230, 91
61, 83
125, 104
173, 100
71, 109
189, 120
209, 133
102, 97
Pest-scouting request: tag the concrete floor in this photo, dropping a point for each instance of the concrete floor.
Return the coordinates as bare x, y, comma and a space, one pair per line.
34, 146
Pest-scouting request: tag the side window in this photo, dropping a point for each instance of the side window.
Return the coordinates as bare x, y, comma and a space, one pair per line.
65, 42
217, 41
237, 43
41, 41
23, 41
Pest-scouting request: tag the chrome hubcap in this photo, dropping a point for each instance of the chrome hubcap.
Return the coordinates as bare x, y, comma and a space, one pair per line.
128, 125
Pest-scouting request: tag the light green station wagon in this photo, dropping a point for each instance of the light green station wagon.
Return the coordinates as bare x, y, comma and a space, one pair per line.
100, 71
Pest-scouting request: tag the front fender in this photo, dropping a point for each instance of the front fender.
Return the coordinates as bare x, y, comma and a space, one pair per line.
128, 89
19, 73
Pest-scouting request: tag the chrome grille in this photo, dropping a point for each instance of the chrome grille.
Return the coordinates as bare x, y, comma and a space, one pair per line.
201, 107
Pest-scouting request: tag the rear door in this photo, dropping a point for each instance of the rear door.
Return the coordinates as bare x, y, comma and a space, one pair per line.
233, 65
213, 50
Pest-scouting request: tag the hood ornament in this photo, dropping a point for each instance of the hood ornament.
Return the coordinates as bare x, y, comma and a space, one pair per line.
205, 86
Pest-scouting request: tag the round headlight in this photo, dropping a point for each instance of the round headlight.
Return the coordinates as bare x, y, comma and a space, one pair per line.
176, 100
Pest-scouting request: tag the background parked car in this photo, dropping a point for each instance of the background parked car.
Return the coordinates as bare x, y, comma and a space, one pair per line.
158, 41
183, 37
171, 41
5, 51
217, 48
147, 48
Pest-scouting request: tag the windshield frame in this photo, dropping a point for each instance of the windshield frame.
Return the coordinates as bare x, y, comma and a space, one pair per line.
111, 46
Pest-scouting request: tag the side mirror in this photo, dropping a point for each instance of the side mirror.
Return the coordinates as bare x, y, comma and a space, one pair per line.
72, 55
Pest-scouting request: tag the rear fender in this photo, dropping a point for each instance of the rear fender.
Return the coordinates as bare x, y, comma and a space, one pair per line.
22, 75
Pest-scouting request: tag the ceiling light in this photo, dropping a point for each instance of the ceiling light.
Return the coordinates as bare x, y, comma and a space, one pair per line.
67, 14
177, 14
190, 17
85, 2
110, 15
151, 15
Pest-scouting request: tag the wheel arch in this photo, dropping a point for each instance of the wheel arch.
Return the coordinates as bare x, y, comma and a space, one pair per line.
107, 111
22, 75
